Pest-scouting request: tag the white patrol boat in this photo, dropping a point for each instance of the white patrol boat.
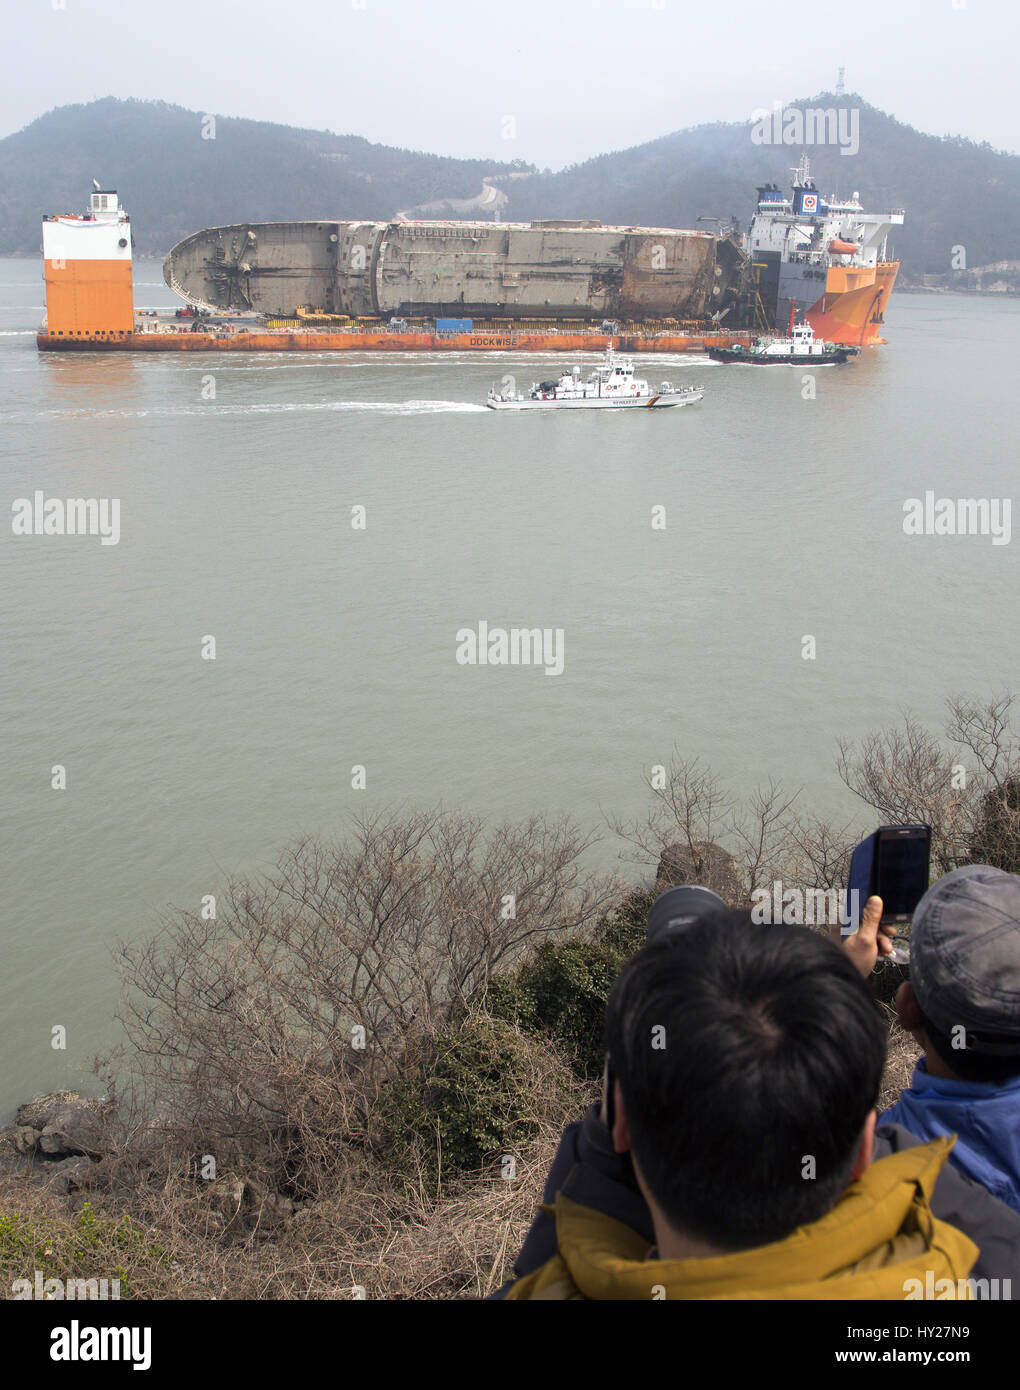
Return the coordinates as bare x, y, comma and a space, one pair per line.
611, 386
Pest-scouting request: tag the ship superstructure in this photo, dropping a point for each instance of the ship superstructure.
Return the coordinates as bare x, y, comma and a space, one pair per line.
827, 256
87, 271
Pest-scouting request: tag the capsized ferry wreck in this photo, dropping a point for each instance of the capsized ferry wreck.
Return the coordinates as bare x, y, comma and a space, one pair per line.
545, 286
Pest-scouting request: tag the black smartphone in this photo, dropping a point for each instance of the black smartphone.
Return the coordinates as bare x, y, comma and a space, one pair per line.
901, 868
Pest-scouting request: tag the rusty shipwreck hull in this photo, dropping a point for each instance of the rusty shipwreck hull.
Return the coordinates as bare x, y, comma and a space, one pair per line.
549, 270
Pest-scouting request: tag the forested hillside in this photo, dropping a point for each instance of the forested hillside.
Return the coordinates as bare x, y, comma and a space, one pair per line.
174, 182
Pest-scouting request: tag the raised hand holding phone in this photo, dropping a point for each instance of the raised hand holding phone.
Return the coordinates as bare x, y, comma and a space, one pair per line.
889, 870
871, 939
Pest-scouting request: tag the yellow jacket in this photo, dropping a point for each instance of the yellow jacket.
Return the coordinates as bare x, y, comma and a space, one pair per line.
880, 1234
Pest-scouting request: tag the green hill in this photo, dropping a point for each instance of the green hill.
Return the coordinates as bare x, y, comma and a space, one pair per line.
955, 192
174, 182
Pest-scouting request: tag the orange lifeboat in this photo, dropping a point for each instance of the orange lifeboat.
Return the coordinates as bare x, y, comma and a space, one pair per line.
843, 248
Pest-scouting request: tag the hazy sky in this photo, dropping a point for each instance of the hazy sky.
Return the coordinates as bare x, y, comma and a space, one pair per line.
574, 79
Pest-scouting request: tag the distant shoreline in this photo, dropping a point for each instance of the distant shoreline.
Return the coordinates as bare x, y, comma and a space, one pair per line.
968, 294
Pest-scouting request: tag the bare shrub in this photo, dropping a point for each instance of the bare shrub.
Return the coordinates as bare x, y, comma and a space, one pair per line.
733, 846
965, 784
960, 785
268, 1032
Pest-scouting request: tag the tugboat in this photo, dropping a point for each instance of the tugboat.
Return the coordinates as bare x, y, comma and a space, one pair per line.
799, 346
611, 386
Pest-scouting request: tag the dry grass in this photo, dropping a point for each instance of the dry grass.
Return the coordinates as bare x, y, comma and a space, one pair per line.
380, 1238
383, 1235
40, 1230
902, 1054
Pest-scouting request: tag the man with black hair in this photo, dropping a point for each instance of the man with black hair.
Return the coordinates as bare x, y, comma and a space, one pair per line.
746, 1065
962, 1004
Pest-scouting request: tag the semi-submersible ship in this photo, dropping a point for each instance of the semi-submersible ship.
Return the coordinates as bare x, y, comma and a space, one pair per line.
827, 259
542, 286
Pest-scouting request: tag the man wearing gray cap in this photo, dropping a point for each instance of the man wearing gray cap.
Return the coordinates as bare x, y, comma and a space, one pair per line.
962, 1004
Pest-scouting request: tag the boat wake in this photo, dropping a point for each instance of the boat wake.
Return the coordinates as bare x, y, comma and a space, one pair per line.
384, 407
262, 408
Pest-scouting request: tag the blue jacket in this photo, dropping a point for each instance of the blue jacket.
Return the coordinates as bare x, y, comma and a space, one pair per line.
984, 1114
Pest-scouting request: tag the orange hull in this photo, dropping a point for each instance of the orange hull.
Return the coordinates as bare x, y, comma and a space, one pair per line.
312, 340
83, 294
852, 309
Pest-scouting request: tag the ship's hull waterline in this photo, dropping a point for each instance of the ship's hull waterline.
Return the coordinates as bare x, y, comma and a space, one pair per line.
638, 403
322, 340
853, 317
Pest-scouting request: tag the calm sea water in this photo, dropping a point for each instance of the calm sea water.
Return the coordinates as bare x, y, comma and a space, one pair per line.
337, 647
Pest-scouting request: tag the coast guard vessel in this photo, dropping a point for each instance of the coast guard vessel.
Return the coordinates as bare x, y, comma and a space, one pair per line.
611, 386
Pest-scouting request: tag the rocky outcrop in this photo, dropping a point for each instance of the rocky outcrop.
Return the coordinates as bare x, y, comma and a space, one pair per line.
56, 1138
703, 862
36, 1113
61, 1125
60, 1139
20, 1139
67, 1175
74, 1129
248, 1203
